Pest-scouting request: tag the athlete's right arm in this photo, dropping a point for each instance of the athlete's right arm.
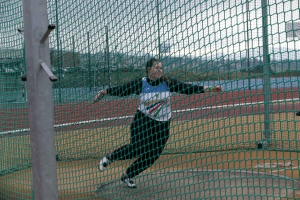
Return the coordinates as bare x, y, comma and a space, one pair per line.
133, 87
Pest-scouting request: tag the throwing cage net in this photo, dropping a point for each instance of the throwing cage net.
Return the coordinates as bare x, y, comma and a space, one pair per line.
242, 142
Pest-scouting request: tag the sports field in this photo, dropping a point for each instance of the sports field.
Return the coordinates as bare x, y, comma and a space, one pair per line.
216, 136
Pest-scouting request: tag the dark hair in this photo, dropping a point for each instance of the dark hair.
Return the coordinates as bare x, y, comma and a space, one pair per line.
150, 63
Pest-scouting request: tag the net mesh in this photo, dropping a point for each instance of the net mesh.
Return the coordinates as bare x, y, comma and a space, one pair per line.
99, 45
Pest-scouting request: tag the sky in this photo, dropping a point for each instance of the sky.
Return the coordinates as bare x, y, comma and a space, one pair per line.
192, 28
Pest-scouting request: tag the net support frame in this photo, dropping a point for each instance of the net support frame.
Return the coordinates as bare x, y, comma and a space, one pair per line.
40, 105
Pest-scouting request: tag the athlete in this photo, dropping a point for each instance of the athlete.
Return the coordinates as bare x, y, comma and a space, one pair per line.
150, 128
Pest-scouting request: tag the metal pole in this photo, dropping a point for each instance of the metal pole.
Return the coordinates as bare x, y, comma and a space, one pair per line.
291, 10
24, 71
73, 52
117, 63
266, 70
61, 62
58, 52
40, 103
157, 13
248, 47
107, 55
89, 61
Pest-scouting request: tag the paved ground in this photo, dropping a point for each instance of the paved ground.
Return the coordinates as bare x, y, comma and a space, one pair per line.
200, 185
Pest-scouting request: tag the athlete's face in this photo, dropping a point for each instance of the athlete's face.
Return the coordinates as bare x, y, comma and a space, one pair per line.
156, 71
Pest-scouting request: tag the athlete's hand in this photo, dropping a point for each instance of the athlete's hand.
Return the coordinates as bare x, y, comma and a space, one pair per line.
213, 89
100, 95
217, 89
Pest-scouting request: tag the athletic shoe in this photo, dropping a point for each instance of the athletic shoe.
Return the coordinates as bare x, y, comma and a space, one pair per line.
129, 182
103, 163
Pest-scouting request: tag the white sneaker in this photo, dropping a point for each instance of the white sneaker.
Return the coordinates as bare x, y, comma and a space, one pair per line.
103, 163
128, 181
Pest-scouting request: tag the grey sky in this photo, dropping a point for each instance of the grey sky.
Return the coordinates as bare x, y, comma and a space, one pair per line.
191, 27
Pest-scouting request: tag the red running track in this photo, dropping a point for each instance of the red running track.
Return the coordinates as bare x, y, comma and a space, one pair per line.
206, 105
209, 105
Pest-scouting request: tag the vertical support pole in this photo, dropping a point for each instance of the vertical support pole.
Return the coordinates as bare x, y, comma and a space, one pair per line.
40, 102
266, 70
73, 52
89, 61
248, 47
107, 55
23, 74
158, 29
58, 53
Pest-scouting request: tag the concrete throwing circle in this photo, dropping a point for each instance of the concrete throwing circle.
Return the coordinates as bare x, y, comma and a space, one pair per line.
200, 185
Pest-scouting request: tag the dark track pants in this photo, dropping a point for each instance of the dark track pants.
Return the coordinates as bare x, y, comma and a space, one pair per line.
148, 139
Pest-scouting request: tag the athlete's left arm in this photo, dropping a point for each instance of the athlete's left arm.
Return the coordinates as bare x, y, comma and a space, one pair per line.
185, 88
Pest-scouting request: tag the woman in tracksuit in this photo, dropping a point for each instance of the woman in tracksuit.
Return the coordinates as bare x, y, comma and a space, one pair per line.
150, 128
